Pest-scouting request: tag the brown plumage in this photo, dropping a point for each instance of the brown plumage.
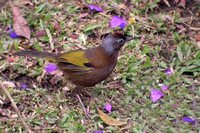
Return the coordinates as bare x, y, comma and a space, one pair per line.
86, 68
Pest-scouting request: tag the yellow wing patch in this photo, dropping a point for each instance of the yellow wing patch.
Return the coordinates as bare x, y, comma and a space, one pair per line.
75, 57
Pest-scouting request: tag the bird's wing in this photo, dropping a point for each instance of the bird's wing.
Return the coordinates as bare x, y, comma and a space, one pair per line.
75, 61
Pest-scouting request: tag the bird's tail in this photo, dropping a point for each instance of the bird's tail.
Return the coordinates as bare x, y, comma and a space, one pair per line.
38, 54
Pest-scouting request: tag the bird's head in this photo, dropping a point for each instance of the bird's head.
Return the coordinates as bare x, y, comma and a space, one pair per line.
113, 42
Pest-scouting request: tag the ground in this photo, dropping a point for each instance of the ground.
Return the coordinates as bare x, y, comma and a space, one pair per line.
168, 38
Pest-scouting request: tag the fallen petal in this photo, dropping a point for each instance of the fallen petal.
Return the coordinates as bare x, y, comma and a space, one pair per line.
156, 95
188, 119
50, 67
13, 35
169, 71
118, 22
98, 131
164, 87
108, 107
95, 8
23, 86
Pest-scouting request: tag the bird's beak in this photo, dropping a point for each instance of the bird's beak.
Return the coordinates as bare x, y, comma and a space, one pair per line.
129, 38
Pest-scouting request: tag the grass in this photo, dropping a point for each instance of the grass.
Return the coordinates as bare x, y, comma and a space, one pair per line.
167, 41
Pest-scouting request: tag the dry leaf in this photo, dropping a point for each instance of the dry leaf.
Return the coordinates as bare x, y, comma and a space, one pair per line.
11, 59
197, 37
183, 2
56, 26
13, 116
20, 25
82, 15
28, 2
9, 84
109, 120
122, 6
40, 33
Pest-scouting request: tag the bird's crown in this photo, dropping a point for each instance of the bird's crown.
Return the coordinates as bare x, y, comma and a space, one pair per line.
113, 42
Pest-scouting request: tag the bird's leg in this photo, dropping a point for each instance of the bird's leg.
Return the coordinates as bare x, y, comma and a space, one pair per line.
77, 92
84, 109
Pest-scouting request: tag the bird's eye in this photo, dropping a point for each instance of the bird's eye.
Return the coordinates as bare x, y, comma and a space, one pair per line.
120, 41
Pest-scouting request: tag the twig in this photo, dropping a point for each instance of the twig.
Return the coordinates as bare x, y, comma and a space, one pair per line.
15, 107
190, 27
84, 109
80, 46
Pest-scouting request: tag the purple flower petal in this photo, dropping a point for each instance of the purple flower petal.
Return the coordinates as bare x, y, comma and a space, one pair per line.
164, 87
118, 22
169, 71
23, 86
108, 107
95, 8
12, 33
156, 95
98, 131
188, 119
50, 67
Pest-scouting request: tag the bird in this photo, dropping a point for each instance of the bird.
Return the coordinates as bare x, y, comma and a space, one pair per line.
86, 68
